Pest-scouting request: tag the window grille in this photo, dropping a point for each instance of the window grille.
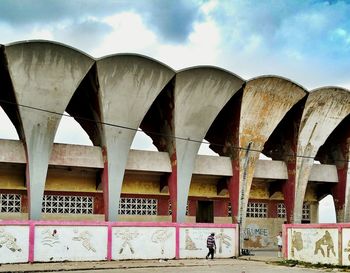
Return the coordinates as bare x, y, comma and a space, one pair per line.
306, 212
138, 206
10, 202
229, 210
68, 204
257, 210
170, 211
281, 210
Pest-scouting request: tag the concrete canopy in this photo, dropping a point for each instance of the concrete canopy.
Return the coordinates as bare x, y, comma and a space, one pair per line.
200, 94
325, 108
129, 84
265, 102
44, 76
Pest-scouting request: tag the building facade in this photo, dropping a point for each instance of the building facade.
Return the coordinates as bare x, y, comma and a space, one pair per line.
112, 97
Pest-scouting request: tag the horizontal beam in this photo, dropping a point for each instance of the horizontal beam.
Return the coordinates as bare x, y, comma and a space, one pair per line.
12, 151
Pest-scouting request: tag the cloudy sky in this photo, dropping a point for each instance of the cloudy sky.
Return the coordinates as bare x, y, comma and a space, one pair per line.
307, 41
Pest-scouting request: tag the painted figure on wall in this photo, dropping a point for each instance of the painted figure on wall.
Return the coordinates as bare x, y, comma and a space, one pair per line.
160, 237
348, 249
85, 238
9, 241
325, 240
127, 236
297, 242
50, 237
189, 243
223, 239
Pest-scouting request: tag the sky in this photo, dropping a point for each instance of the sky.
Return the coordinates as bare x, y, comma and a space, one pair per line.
307, 41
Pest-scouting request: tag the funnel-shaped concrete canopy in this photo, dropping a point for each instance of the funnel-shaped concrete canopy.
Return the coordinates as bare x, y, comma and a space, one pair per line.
325, 108
44, 76
200, 94
265, 102
129, 84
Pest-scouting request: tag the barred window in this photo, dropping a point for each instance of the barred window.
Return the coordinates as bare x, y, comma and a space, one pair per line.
257, 210
10, 202
281, 210
306, 212
68, 204
170, 211
229, 210
138, 206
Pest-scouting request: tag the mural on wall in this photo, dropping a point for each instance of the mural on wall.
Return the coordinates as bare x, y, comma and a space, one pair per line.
14, 244
127, 236
50, 237
85, 238
346, 246
160, 237
313, 245
189, 243
143, 243
325, 240
8, 241
223, 240
296, 243
256, 236
71, 243
193, 242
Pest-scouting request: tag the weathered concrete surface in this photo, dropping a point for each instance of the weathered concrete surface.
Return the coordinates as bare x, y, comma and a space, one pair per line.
200, 94
265, 102
325, 108
44, 75
129, 84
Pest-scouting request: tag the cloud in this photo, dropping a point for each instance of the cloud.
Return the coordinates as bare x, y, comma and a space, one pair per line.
172, 20
307, 41
85, 35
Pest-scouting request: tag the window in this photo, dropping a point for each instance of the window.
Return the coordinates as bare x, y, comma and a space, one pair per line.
257, 210
138, 206
10, 202
229, 210
281, 210
306, 212
170, 211
68, 204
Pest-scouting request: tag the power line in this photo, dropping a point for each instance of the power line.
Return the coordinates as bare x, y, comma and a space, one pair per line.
149, 132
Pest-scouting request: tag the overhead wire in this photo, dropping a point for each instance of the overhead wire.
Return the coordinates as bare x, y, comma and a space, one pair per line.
150, 132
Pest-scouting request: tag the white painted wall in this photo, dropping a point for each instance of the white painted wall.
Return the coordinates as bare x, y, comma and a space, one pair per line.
71, 243
14, 244
143, 243
193, 242
310, 245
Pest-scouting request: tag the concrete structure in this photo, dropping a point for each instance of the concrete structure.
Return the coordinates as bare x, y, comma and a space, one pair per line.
114, 96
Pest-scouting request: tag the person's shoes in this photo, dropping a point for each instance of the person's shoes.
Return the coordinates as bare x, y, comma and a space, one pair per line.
206, 257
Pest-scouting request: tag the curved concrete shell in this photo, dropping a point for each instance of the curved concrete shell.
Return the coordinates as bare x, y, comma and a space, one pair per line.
200, 94
129, 84
44, 75
265, 102
325, 108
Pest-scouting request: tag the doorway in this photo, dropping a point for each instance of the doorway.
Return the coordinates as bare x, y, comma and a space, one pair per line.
205, 212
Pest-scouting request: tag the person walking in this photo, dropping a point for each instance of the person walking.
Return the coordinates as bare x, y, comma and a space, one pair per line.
211, 245
279, 244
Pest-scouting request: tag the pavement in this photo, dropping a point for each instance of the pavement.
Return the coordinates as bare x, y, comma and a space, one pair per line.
260, 256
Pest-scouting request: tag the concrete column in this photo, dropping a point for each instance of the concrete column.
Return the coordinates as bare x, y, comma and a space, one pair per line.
325, 108
129, 84
200, 94
265, 102
44, 76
